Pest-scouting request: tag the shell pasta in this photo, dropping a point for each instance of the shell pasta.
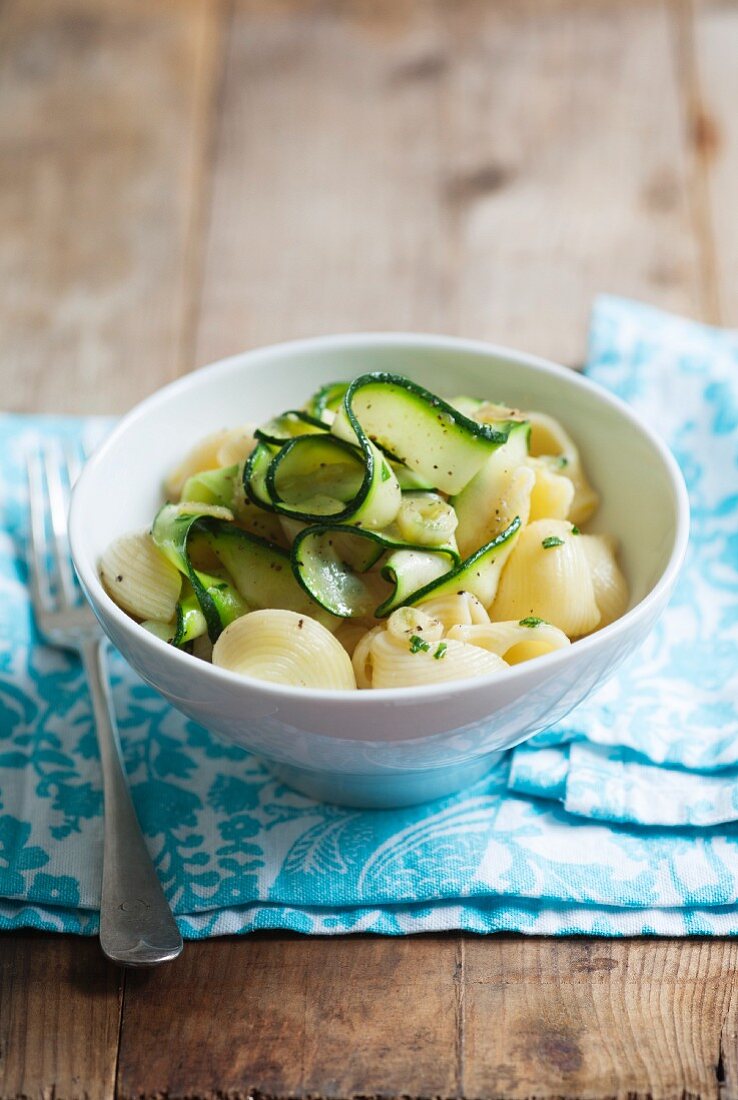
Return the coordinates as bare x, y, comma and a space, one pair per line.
378, 537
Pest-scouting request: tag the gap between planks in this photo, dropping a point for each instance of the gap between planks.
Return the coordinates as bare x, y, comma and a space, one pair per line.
699, 130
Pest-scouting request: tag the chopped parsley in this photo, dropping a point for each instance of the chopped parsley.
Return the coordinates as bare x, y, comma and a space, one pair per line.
575, 530
417, 644
551, 541
440, 651
531, 620
562, 461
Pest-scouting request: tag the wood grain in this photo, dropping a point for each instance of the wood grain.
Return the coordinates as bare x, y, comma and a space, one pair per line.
59, 1018
567, 160
326, 212
296, 1017
103, 108
436, 1016
471, 167
600, 1018
481, 168
711, 45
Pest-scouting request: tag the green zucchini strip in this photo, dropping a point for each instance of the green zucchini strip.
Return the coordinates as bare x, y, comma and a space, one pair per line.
255, 475
261, 571
326, 400
329, 558
319, 477
190, 622
410, 481
290, 424
219, 601
213, 487
407, 571
475, 504
478, 574
421, 430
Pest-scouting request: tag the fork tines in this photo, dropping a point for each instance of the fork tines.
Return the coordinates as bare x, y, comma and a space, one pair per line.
52, 469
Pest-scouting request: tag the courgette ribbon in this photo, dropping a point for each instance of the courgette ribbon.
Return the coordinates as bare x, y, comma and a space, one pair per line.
255, 573
331, 562
339, 467
218, 599
387, 434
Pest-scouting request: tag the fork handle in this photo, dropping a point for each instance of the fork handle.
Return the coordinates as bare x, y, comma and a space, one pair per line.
136, 924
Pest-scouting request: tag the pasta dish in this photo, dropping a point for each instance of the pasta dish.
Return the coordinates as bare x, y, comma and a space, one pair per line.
378, 537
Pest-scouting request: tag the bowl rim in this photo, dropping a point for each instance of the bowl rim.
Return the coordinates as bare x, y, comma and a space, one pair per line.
91, 583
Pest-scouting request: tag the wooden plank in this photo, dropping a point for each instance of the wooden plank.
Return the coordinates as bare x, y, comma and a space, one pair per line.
295, 1017
601, 1018
568, 168
59, 1018
325, 195
103, 119
469, 1017
471, 167
103, 108
710, 48
476, 168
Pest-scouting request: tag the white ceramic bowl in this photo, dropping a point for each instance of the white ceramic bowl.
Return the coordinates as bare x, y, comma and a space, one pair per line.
389, 747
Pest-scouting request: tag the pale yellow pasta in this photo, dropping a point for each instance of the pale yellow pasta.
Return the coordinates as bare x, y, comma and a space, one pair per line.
408, 622
197, 508
551, 582
527, 596
140, 579
164, 631
427, 519
552, 494
410, 652
455, 607
351, 631
495, 496
236, 445
515, 502
284, 648
266, 525
547, 437
361, 658
489, 412
610, 587
203, 456
514, 498
513, 641
393, 668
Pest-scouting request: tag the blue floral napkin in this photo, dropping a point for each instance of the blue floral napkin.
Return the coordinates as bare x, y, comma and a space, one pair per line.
622, 821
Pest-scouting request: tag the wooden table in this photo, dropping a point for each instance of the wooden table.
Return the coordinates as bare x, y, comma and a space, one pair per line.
182, 179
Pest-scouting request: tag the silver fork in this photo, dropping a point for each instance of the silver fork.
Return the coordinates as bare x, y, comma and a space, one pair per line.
136, 924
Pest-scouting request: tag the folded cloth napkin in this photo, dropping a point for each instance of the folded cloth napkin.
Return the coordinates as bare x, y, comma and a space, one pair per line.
658, 745
620, 822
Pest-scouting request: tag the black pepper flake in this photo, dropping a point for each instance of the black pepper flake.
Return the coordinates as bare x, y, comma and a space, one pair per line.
300, 624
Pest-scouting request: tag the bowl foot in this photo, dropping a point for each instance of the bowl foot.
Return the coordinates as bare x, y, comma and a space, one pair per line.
384, 791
